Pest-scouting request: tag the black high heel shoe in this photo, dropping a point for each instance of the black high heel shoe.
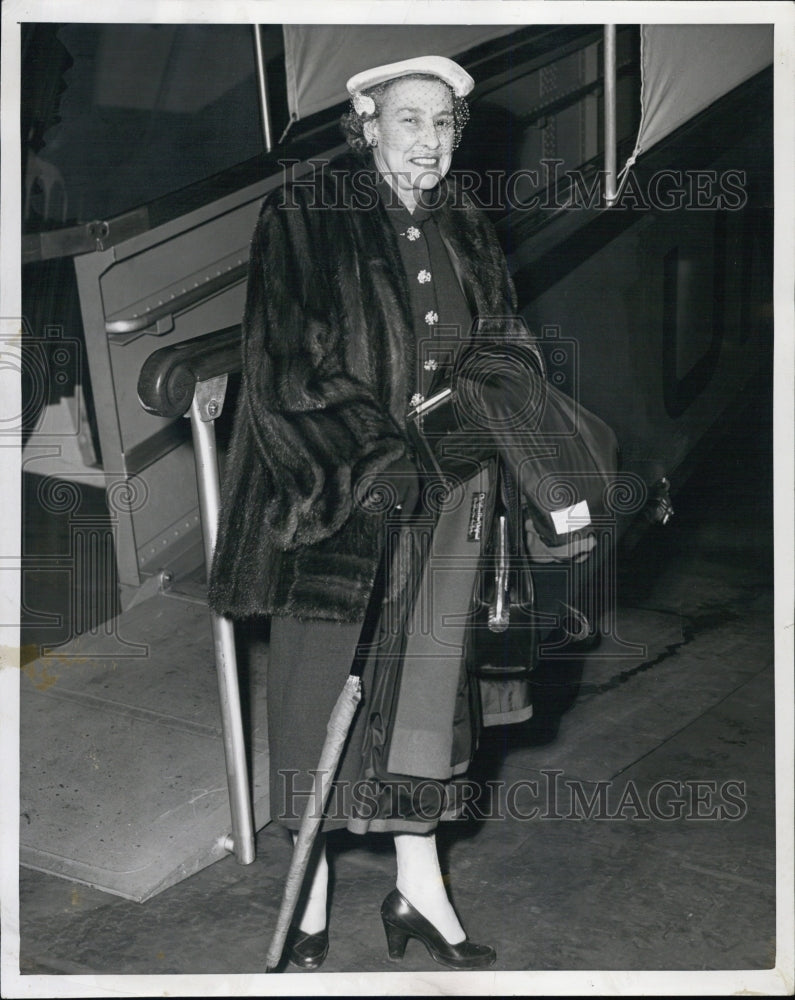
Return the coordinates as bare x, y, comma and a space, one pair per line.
307, 951
402, 921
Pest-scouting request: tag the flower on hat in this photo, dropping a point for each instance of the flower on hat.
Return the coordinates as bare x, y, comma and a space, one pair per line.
363, 104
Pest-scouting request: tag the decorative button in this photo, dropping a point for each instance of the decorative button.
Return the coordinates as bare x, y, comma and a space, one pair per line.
424, 277
417, 398
431, 365
412, 233
431, 317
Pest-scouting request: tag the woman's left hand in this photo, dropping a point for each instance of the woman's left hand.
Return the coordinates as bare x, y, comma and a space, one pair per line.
577, 549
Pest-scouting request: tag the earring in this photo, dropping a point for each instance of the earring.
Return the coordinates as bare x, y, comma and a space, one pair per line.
373, 141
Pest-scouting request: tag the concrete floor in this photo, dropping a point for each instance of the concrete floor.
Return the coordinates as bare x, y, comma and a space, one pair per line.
672, 867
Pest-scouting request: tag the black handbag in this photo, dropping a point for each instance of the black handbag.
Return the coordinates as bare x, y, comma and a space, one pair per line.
504, 633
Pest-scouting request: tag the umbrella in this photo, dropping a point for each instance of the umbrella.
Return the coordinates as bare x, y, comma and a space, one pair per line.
336, 732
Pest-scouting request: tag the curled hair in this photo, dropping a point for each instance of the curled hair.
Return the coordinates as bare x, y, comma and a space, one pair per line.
352, 122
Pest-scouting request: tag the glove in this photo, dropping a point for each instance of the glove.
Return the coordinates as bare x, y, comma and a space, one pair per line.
577, 549
397, 487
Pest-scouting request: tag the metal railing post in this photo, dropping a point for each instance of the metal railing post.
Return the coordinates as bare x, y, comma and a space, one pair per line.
610, 113
207, 404
262, 87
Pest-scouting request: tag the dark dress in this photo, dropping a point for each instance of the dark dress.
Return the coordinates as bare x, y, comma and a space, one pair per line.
309, 660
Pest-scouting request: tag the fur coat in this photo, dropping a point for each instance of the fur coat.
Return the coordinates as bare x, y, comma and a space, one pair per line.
328, 359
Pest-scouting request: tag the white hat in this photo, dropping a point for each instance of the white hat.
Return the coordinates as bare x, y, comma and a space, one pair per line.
440, 66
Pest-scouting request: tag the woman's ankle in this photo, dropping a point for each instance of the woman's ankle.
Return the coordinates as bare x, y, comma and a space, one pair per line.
314, 917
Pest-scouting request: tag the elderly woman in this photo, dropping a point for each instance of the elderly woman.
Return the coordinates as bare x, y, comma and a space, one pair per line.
351, 271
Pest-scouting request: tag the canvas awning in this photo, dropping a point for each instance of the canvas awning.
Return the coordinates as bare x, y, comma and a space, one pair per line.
319, 58
685, 67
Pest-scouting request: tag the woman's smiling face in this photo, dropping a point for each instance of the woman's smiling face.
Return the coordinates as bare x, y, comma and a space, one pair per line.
415, 133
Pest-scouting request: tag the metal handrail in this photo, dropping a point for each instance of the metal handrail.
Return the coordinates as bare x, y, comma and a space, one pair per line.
167, 383
202, 286
192, 376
